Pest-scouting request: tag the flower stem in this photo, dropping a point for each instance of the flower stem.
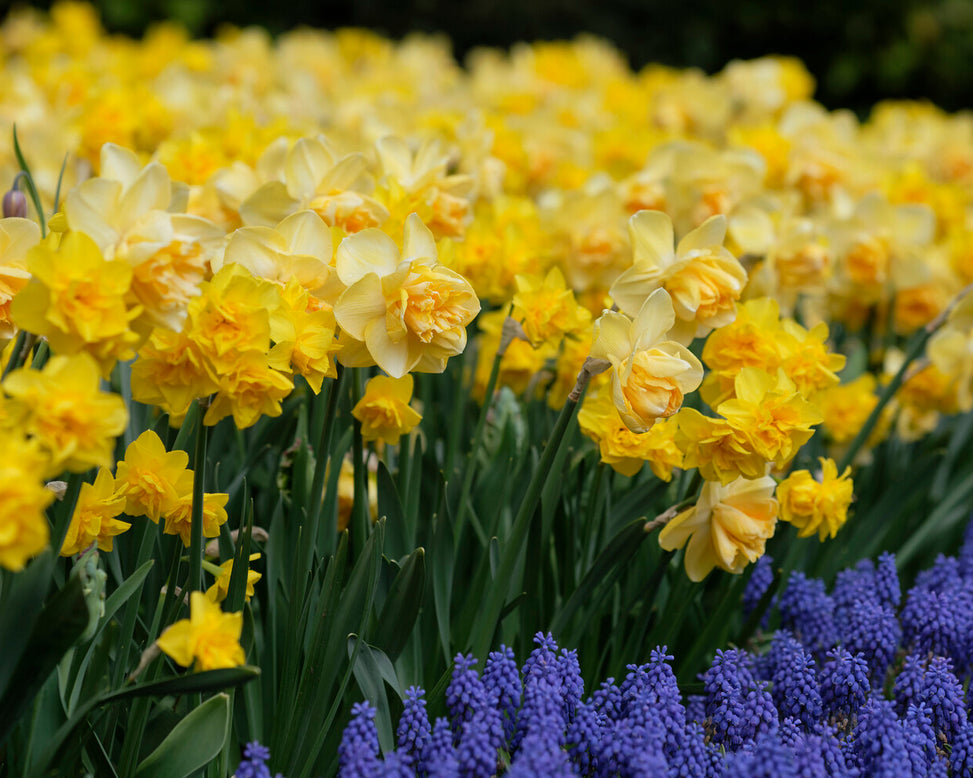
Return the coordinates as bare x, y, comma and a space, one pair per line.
199, 487
468, 469
918, 345
488, 615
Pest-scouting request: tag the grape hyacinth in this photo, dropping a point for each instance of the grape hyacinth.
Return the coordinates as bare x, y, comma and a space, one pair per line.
865, 680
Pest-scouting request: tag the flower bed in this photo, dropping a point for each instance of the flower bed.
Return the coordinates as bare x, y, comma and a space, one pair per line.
327, 360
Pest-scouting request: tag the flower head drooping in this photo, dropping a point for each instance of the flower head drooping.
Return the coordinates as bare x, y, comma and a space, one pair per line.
94, 515
650, 373
816, 506
221, 587
209, 636
384, 410
727, 528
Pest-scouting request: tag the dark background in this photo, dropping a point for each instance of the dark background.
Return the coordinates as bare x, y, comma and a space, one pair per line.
858, 52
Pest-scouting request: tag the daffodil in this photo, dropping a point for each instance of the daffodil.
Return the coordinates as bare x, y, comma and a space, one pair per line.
221, 586
152, 479
547, 309
63, 408
384, 410
816, 505
409, 312
772, 415
315, 177
728, 527
77, 300
24, 530
17, 237
703, 278
94, 515
209, 638
651, 374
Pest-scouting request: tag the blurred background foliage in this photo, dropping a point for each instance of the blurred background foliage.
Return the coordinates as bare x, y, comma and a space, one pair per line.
859, 52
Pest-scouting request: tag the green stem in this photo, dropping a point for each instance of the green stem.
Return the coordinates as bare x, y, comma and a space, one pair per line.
199, 487
29, 180
22, 346
468, 468
489, 613
359, 510
322, 452
919, 341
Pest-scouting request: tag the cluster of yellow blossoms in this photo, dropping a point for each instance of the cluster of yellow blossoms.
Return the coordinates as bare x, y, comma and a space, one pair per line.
241, 212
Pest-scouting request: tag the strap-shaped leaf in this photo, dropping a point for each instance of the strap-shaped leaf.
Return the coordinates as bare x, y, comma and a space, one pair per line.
193, 743
402, 605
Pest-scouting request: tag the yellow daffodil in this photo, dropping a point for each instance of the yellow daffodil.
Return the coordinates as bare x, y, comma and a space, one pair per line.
152, 479
384, 410
650, 373
770, 413
951, 350
311, 350
65, 411
299, 248
179, 517
77, 300
171, 371
547, 309
314, 177
626, 451
702, 277
221, 587
846, 407
209, 637
24, 531
409, 311
816, 506
727, 528
720, 452
94, 515
130, 212
17, 237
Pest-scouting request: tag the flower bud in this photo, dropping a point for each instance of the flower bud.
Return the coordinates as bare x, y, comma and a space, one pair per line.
14, 204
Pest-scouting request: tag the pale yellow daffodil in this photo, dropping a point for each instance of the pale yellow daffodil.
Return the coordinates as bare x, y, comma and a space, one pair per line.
408, 311
650, 372
727, 528
702, 277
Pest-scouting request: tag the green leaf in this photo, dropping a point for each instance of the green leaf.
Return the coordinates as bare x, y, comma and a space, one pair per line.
372, 671
20, 608
442, 577
398, 541
61, 622
120, 596
193, 742
402, 605
210, 680
608, 565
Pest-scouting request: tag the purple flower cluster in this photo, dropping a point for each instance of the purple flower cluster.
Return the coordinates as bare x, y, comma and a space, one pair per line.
254, 762
859, 681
